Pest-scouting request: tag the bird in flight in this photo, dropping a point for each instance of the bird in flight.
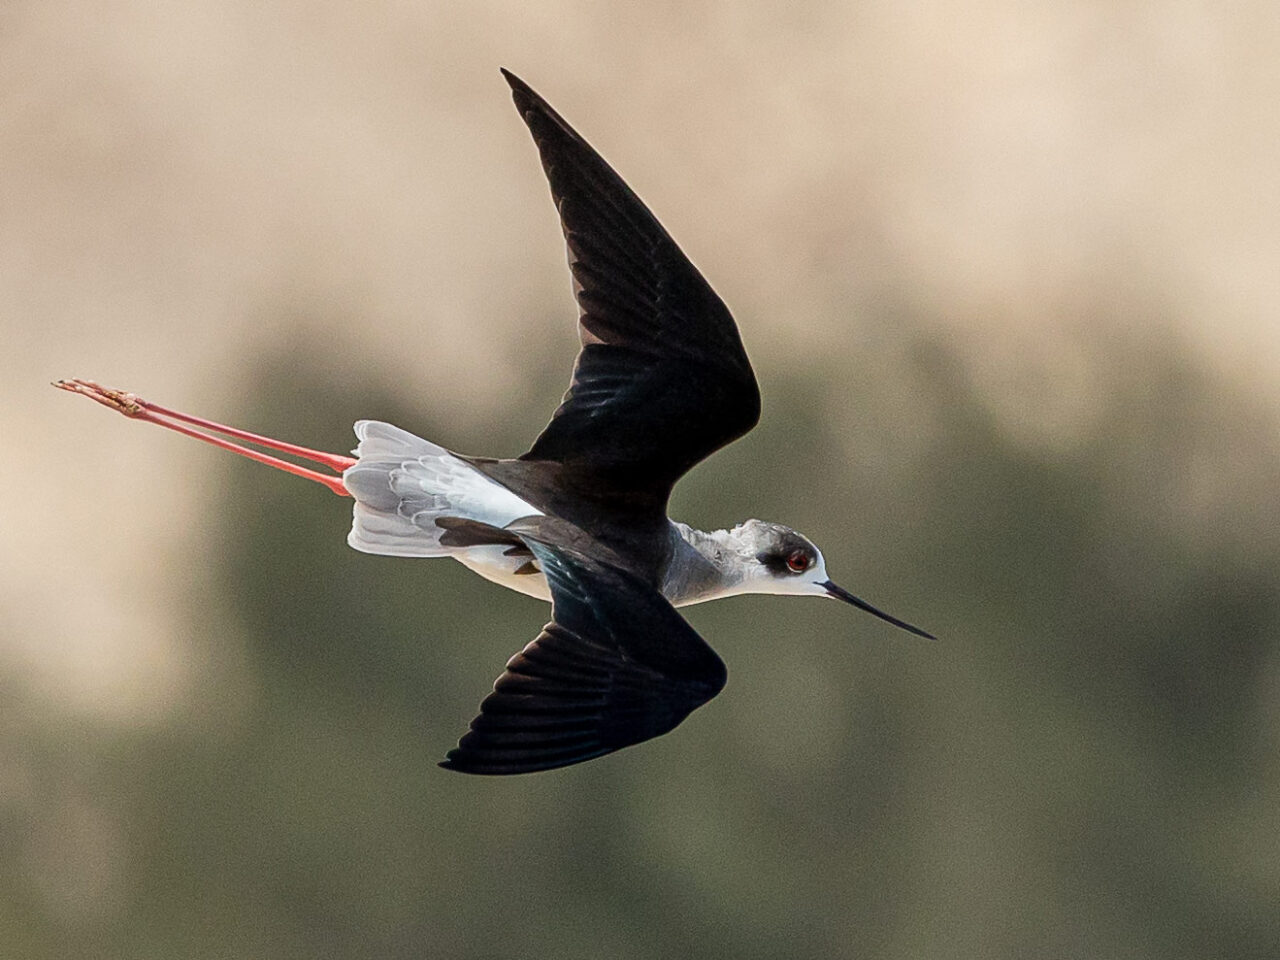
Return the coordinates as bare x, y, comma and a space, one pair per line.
661, 382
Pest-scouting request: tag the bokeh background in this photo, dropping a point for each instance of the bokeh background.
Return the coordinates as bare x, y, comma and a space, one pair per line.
1009, 274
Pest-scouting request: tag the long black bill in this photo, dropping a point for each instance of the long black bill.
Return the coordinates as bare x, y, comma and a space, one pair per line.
840, 593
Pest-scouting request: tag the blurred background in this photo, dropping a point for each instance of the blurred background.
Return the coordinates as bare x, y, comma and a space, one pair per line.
1009, 275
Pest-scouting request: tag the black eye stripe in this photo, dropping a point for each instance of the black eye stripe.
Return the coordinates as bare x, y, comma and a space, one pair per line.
779, 561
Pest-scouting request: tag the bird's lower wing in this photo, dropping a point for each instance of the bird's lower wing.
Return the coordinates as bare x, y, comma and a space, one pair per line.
617, 665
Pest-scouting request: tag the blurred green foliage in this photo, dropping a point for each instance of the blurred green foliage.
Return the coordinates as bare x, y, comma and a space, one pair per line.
1084, 766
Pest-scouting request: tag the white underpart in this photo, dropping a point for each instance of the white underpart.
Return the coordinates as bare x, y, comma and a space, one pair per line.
492, 563
757, 578
402, 484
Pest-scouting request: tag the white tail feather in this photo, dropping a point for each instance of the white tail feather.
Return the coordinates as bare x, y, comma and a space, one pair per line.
402, 483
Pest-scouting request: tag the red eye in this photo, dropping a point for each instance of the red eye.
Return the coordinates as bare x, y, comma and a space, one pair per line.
798, 562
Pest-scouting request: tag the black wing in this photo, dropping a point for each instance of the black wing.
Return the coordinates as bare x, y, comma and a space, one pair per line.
662, 380
616, 665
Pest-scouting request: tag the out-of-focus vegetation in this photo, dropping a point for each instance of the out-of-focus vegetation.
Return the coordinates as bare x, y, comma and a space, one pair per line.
1084, 766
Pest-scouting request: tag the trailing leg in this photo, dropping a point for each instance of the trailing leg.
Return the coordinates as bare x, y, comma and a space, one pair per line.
136, 408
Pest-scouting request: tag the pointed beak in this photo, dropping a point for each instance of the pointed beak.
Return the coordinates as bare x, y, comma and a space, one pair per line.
840, 593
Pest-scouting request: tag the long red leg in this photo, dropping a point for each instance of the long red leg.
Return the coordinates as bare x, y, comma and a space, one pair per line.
138, 409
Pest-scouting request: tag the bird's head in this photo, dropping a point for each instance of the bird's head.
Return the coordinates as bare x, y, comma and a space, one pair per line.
781, 561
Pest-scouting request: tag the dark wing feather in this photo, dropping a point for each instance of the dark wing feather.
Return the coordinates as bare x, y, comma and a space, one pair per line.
662, 380
617, 665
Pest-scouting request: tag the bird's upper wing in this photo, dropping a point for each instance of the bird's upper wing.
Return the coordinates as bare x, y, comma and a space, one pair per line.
662, 379
616, 665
